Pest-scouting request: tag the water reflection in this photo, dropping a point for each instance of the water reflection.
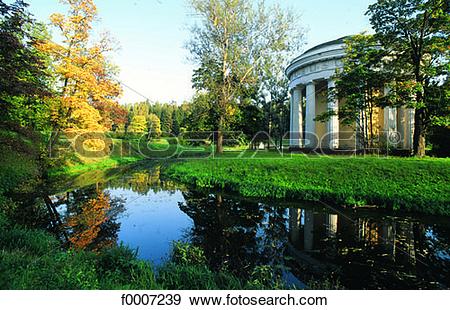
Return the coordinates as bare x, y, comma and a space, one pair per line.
90, 217
236, 235
364, 252
361, 249
145, 181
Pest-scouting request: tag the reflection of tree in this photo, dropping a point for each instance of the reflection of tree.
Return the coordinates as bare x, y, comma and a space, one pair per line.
143, 181
91, 218
86, 225
235, 234
274, 236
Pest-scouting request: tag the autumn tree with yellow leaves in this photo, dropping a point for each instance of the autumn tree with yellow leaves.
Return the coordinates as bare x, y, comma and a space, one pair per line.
86, 85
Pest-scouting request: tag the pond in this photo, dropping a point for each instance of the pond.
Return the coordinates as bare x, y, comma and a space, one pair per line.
359, 249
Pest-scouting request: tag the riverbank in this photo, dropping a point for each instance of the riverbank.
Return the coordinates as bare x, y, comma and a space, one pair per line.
19, 164
407, 184
33, 259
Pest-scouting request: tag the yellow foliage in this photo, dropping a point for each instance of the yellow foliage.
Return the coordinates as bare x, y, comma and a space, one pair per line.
86, 76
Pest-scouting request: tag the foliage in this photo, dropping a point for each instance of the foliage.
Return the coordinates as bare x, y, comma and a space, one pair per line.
201, 116
154, 126
361, 84
18, 165
172, 117
395, 183
24, 79
166, 121
138, 124
415, 35
185, 254
232, 46
86, 79
22, 69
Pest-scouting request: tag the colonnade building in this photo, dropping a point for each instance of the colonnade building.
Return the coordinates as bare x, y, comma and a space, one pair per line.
311, 77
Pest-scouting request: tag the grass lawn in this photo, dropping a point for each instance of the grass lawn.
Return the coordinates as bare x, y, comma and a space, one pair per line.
420, 185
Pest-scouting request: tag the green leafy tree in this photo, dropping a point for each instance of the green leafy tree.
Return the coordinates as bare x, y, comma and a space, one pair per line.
230, 45
166, 118
361, 83
416, 35
201, 116
176, 122
24, 79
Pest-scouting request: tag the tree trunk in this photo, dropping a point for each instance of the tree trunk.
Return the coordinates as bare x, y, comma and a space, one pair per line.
219, 142
219, 145
419, 142
419, 122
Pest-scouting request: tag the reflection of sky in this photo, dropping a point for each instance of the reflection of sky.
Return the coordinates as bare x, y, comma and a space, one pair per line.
443, 254
430, 234
152, 222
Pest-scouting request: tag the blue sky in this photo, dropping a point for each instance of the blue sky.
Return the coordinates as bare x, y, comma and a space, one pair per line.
152, 33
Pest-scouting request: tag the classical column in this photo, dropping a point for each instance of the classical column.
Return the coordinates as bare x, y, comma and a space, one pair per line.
410, 129
333, 122
406, 126
291, 118
390, 121
310, 126
401, 125
296, 117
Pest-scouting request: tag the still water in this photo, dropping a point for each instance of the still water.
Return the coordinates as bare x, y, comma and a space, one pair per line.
364, 249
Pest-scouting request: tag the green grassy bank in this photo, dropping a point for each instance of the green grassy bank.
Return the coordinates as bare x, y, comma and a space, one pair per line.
99, 164
19, 165
418, 185
33, 259
124, 152
121, 153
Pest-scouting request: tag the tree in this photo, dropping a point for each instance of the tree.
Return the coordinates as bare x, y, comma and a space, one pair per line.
138, 124
201, 116
24, 79
166, 118
416, 35
154, 126
176, 122
113, 115
361, 83
86, 78
230, 45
